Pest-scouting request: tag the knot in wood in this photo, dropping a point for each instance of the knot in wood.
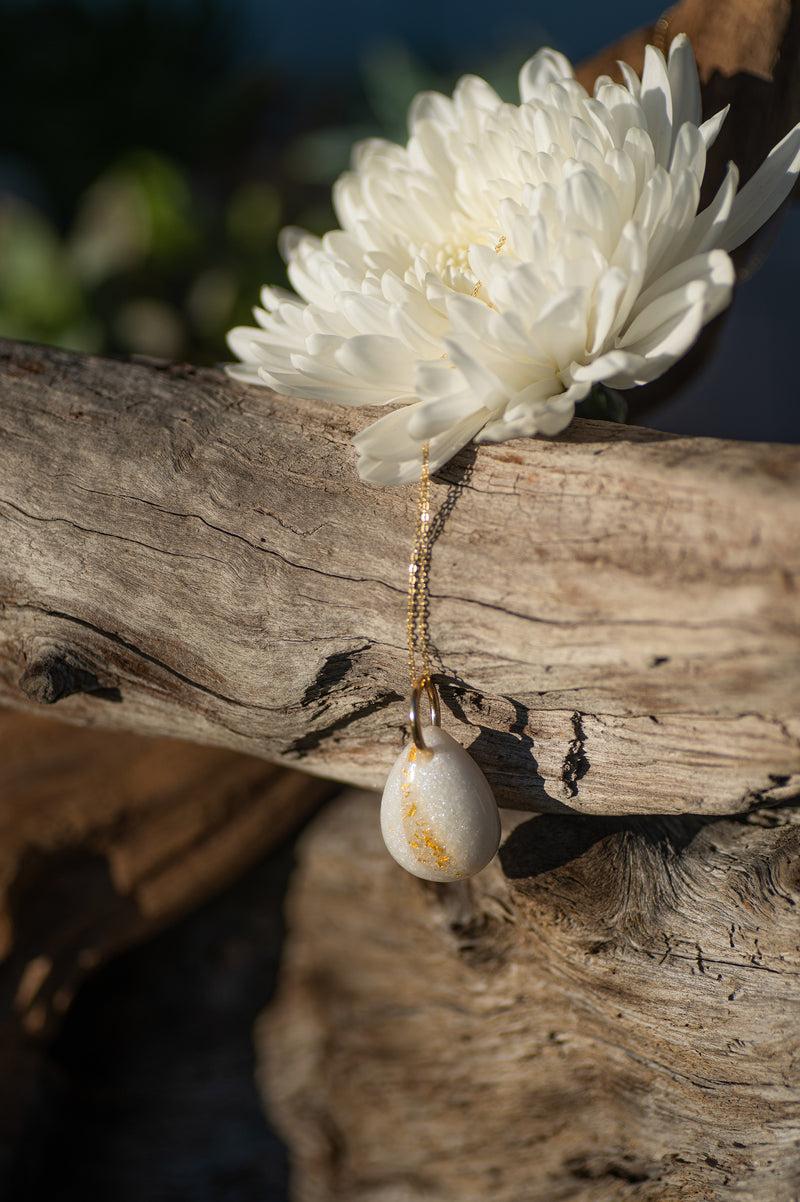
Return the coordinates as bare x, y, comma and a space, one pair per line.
56, 674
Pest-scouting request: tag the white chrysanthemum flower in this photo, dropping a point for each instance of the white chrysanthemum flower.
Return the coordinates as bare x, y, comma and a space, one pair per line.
511, 256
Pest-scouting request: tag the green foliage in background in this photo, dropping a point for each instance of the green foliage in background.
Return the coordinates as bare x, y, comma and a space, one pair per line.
155, 178
146, 265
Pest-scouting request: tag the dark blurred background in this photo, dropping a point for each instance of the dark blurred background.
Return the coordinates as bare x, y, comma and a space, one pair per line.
152, 149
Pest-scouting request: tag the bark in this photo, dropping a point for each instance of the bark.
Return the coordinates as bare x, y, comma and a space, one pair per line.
609, 1012
735, 44
105, 838
148, 1092
615, 610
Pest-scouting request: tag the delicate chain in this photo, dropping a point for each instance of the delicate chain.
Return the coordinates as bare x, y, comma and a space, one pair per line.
418, 575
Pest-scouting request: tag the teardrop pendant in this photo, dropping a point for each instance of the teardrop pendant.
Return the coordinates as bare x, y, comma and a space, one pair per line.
439, 818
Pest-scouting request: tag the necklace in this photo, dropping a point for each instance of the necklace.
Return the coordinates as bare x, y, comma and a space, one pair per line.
439, 818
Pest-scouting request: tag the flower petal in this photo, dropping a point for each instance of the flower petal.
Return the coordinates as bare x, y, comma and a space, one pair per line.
429, 418
560, 330
684, 83
376, 358
490, 271
689, 153
656, 101
616, 368
632, 81
708, 226
245, 342
709, 130
433, 107
389, 455
764, 192
714, 269
473, 93
625, 112
610, 292
245, 373
638, 146
663, 345
546, 67
650, 327
535, 412
674, 224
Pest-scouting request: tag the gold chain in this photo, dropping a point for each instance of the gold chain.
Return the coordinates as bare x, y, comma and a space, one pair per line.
418, 569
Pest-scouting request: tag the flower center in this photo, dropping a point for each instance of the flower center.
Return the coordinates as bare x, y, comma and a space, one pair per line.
450, 257
450, 260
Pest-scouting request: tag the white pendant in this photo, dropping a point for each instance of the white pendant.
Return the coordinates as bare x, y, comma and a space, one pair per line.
439, 818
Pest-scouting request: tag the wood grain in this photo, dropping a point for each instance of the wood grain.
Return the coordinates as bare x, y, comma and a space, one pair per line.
732, 38
610, 1012
105, 838
618, 608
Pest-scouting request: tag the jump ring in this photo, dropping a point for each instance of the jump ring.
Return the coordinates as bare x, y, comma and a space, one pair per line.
423, 685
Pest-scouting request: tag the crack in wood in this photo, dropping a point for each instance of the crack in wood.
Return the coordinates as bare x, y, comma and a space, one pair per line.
144, 656
299, 748
576, 763
335, 669
681, 612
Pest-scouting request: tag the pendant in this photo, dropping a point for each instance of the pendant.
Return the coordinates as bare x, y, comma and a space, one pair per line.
439, 818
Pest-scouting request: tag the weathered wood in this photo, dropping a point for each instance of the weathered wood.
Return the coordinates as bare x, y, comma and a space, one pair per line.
619, 606
751, 37
104, 838
610, 1012
148, 1091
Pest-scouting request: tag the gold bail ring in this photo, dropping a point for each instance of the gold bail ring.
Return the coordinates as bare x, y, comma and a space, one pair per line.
423, 685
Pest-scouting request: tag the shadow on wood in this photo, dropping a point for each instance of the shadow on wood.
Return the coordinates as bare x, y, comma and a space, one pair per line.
614, 596
615, 1016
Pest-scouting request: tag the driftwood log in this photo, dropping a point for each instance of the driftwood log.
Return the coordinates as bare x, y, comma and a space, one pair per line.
610, 1013
747, 57
181, 555
104, 839
178, 554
